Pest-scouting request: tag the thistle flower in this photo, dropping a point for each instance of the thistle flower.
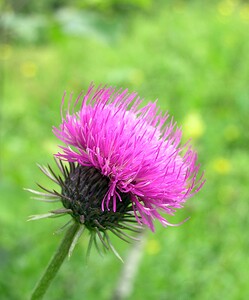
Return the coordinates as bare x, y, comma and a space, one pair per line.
126, 165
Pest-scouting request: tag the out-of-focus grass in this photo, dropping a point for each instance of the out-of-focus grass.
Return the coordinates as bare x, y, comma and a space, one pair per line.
194, 59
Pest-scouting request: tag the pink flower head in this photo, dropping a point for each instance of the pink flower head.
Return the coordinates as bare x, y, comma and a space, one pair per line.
137, 149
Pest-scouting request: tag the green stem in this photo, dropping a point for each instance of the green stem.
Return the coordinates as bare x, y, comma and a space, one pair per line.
55, 263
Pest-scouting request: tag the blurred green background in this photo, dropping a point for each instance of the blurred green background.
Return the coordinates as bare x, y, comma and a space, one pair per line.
191, 55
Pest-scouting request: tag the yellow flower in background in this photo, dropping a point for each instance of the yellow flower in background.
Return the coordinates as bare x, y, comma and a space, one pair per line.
193, 125
28, 69
226, 8
244, 13
153, 247
221, 165
6, 52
